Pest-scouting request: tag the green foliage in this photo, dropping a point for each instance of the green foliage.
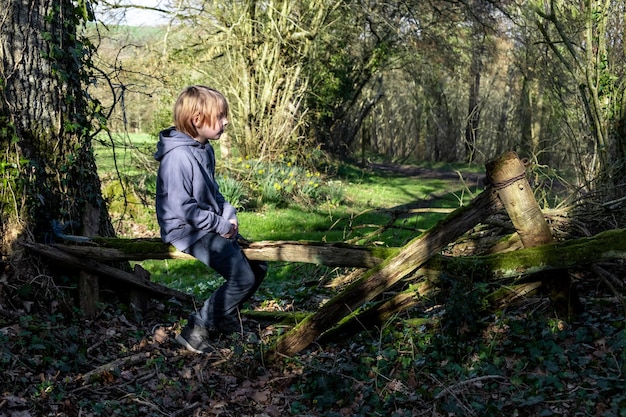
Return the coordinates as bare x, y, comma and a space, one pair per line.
279, 184
462, 319
294, 184
233, 191
192, 277
128, 175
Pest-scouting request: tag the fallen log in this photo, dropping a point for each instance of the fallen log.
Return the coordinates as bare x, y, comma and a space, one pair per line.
287, 317
374, 281
113, 366
381, 312
330, 254
605, 246
104, 270
515, 266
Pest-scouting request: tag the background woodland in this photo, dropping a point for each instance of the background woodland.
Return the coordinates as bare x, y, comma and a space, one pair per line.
432, 81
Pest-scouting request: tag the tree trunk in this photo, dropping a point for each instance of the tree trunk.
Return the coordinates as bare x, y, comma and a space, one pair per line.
44, 126
473, 111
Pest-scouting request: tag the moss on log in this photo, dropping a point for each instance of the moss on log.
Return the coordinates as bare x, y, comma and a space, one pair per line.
330, 254
605, 246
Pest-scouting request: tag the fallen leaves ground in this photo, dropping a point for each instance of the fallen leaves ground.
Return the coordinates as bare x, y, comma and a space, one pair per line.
126, 363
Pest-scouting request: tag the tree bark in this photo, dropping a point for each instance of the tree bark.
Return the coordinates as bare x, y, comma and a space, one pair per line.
507, 174
44, 112
44, 127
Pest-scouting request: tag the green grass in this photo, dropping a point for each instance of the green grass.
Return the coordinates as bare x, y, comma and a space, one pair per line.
129, 155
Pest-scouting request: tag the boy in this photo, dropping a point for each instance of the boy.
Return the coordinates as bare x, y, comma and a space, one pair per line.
195, 218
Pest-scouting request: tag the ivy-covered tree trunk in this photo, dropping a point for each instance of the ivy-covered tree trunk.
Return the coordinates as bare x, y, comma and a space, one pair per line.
47, 167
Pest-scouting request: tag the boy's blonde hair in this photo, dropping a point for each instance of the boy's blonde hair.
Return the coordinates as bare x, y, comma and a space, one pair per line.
200, 101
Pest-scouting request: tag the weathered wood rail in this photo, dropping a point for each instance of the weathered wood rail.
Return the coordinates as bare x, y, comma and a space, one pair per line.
330, 254
382, 268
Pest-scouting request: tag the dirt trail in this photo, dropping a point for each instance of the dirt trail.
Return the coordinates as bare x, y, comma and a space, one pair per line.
415, 171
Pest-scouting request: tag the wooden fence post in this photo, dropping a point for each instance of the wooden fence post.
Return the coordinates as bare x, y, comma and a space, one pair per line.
507, 175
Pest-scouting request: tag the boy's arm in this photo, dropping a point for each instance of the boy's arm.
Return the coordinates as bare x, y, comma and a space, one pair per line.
181, 202
229, 212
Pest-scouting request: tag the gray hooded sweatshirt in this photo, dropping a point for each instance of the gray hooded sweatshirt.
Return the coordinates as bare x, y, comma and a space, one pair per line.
188, 201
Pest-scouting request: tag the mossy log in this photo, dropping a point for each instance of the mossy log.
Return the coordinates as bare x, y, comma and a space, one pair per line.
376, 280
605, 246
286, 317
330, 254
516, 266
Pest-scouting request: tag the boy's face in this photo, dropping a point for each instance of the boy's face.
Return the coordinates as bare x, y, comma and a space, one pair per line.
207, 132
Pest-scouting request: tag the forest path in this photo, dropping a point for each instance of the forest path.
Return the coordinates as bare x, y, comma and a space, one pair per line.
428, 173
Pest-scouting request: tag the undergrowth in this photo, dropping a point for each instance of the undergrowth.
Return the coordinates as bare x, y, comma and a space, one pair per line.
521, 361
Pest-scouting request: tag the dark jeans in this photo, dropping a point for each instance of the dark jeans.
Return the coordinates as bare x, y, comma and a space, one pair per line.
242, 276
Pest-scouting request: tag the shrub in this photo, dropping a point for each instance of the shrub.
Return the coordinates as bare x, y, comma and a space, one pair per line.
281, 183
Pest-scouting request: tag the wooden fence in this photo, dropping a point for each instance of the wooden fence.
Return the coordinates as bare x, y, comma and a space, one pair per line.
381, 268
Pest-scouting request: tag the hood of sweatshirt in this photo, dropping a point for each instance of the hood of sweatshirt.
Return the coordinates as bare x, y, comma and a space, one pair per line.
171, 138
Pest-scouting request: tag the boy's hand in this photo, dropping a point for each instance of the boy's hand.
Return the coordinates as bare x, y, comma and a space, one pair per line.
234, 230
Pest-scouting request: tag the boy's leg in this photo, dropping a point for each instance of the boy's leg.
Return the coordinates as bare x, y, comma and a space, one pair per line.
242, 277
242, 280
259, 269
